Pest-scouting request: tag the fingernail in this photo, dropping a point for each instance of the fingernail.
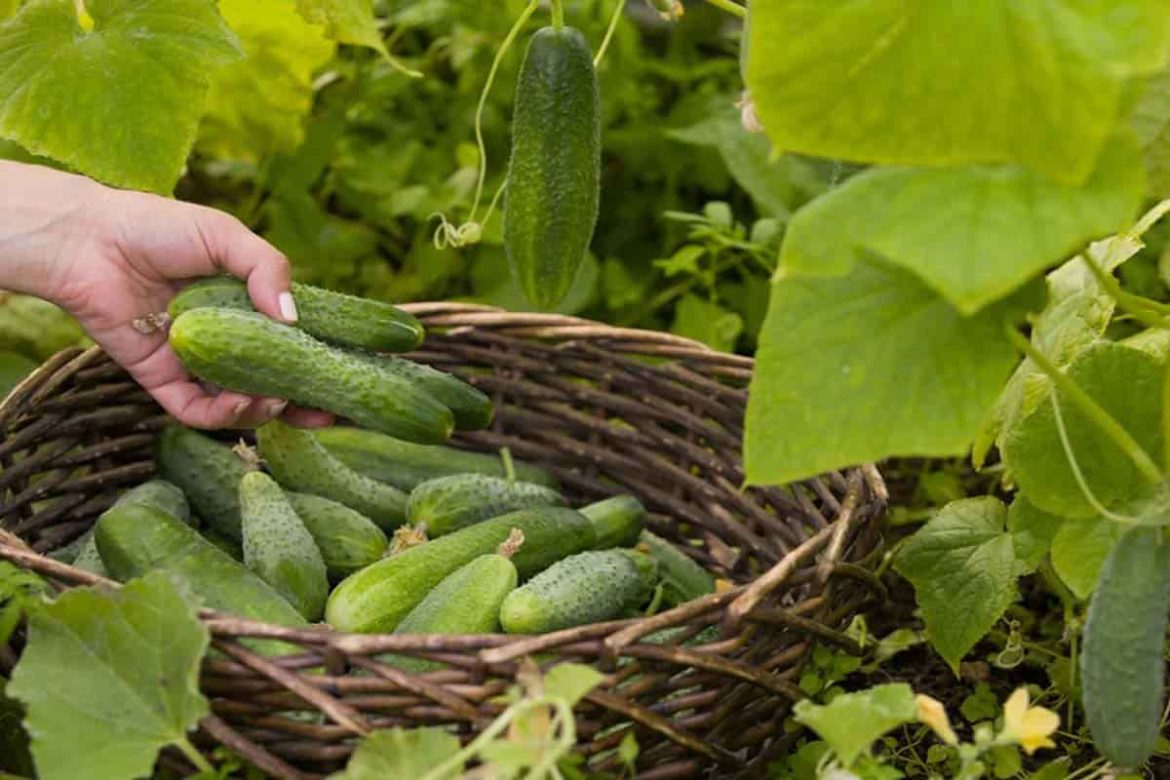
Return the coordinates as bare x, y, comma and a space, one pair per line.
276, 407
288, 307
241, 406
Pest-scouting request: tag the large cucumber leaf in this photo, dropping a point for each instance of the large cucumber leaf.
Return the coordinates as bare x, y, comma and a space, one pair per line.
121, 101
921, 82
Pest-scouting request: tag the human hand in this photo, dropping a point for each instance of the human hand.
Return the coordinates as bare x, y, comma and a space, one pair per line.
111, 257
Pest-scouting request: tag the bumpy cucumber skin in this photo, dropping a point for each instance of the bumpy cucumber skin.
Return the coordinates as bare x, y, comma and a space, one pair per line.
348, 540
251, 353
300, 463
279, 548
405, 464
588, 587
378, 597
134, 540
1122, 670
551, 200
471, 409
682, 579
617, 521
467, 601
207, 472
157, 493
449, 503
330, 316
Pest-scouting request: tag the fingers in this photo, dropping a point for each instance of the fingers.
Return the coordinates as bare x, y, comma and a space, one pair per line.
234, 248
307, 418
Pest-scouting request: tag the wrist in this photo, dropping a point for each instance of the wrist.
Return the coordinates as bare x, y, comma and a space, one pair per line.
49, 220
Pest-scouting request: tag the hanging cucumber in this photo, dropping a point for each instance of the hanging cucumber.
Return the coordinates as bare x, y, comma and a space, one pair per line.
551, 199
330, 316
1122, 667
585, 588
250, 353
348, 540
300, 463
279, 548
207, 472
449, 503
378, 597
405, 464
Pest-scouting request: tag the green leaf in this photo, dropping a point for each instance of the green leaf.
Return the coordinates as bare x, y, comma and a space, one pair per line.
402, 753
1076, 315
1127, 383
628, 750
14, 743
347, 21
1032, 532
852, 721
257, 107
1079, 550
109, 678
980, 704
972, 234
571, 681
924, 83
963, 566
1005, 761
707, 322
778, 187
1150, 120
857, 368
21, 593
120, 102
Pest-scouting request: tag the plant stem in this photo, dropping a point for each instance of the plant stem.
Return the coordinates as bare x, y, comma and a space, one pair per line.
734, 9
527, 13
1090, 408
558, 14
613, 23
1146, 311
194, 756
509, 466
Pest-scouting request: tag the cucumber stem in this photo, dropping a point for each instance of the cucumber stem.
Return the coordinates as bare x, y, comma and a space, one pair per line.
735, 9
1090, 408
509, 466
558, 14
613, 22
512, 544
251, 458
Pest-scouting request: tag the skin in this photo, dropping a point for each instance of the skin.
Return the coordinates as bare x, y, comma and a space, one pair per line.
109, 256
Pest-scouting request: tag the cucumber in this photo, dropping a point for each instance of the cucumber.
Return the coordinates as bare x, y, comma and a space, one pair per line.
279, 548
300, 463
682, 578
160, 494
550, 204
617, 521
330, 316
467, 601
471, 409
14, 368
1122, 669
224, 543
250, 353
449, 503
134, 540
157, 493
378, 597
207, 472
404, 464
588, 587
348, 540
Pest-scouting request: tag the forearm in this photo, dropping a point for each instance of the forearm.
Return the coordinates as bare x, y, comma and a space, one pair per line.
45, 216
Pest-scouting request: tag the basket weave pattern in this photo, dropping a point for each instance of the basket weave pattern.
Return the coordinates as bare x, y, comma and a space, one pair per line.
607, 410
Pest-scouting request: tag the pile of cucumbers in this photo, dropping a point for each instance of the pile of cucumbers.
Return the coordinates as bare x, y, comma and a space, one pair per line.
369, 531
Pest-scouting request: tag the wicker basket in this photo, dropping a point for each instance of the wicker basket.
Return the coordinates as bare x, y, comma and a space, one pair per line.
607, 410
